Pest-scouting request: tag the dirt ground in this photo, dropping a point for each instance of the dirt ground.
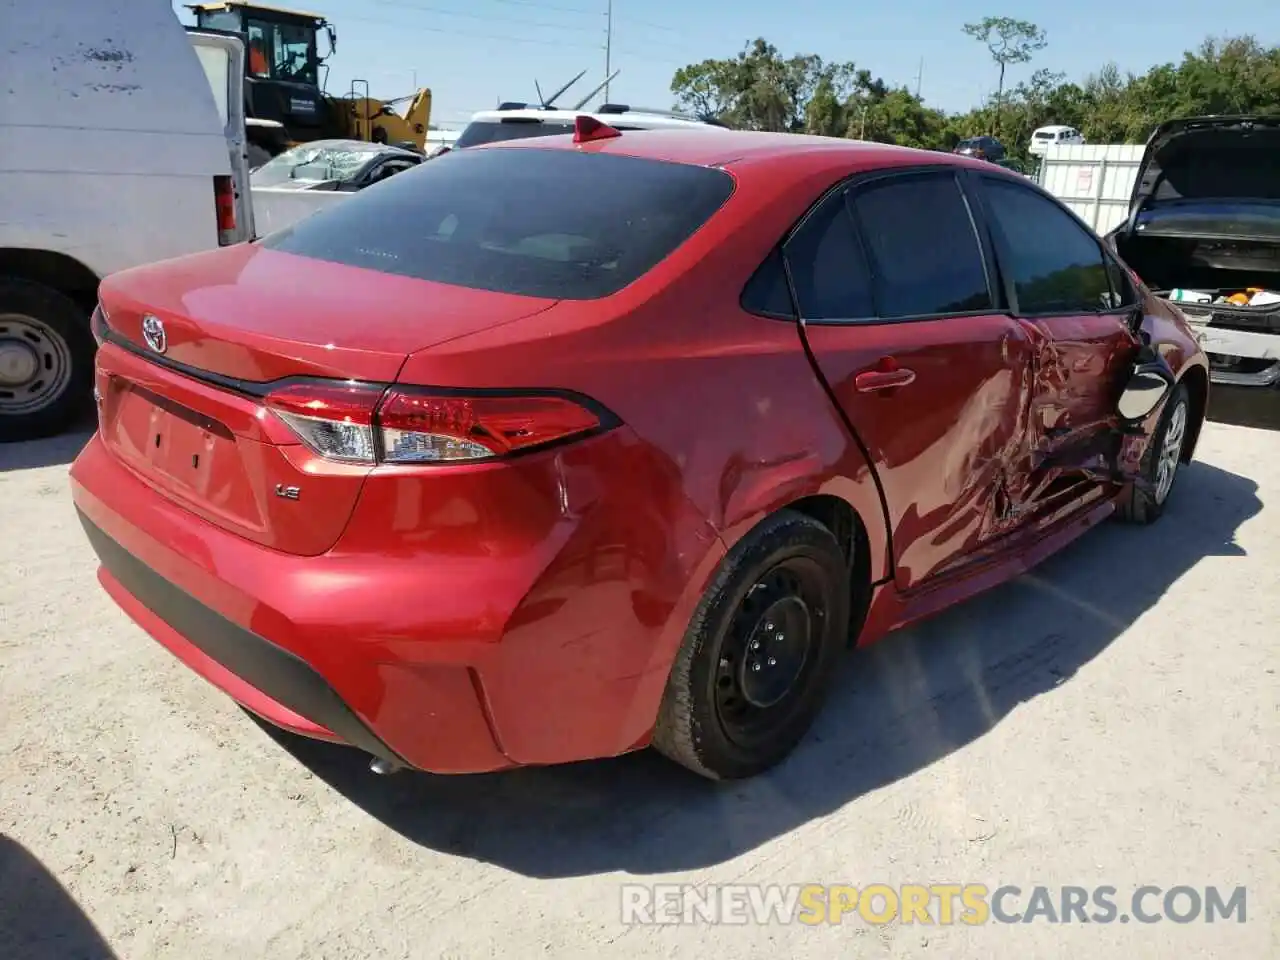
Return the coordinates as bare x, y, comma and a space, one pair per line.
1110, 719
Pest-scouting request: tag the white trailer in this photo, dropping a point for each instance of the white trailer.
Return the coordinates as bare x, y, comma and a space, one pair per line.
1094, 180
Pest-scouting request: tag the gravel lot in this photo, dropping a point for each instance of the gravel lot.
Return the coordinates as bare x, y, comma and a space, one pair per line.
1110, 719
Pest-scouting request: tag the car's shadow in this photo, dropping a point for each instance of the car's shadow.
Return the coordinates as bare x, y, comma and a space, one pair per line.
31, 454
39, 920
902, 705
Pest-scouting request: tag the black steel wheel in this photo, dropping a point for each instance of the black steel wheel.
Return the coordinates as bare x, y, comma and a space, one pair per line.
752, 671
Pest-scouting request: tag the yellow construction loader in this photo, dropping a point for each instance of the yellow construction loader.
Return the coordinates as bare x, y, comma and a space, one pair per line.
284, 96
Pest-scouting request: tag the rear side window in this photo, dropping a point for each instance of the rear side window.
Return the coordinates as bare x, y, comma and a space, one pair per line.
541, 223
1055, 264
924, 252
493, 131
828, 266
767, 293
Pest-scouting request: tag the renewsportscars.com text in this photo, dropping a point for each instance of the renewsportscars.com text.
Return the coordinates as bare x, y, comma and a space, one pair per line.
941, 904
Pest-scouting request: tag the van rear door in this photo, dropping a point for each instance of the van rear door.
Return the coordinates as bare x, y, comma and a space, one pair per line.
222, 57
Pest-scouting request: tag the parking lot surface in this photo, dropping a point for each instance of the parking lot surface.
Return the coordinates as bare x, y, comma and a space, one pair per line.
1109, 719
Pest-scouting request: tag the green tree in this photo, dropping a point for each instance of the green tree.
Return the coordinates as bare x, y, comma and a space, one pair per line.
757, 90
900, 117
1009, 41
760, 89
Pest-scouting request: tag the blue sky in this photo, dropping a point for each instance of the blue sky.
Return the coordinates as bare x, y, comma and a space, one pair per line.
473, 52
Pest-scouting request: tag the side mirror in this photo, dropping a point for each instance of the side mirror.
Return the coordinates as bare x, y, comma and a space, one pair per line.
1149, 383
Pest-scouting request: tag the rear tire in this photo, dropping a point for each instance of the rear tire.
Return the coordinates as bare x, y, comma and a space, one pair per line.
46, 361
1161, 462
753, 670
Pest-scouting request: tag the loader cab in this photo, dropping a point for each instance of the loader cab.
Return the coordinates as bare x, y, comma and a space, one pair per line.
283, 63
282, 44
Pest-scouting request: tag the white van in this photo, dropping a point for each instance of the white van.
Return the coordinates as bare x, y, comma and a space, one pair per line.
114, 151
1044, 137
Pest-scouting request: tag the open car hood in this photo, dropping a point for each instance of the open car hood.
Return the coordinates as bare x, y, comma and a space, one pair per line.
1209, 158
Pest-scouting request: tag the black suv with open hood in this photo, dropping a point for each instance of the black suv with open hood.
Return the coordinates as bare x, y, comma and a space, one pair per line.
1204, 230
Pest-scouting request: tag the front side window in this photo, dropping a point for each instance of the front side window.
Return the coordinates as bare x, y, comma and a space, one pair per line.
1055, 264
925, 255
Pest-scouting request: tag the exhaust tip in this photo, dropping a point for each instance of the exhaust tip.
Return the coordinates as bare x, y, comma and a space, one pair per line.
384, 768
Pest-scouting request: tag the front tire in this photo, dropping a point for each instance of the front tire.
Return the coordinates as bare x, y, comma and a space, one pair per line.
754, 667
1161, 463
46, 361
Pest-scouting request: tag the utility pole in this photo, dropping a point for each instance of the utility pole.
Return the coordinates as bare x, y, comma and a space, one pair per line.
608, 46
919, 76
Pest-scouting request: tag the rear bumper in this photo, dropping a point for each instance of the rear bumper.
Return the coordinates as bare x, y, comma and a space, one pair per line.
269, 680
416, 642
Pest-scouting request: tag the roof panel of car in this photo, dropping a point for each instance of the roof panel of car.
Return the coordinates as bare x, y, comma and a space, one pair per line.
705, 148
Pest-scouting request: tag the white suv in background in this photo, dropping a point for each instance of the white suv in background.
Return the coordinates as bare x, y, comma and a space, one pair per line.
1044, 137
514, 121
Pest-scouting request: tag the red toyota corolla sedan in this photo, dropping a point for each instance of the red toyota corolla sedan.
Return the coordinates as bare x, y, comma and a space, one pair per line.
560, 448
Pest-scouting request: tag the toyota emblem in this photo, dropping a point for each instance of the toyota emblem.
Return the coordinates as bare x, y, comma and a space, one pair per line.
153, 333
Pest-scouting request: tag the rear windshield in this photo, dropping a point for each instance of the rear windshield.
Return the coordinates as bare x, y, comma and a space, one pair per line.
1044, 135
491, 131
540, 223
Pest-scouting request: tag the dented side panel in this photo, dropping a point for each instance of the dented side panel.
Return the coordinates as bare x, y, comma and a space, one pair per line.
1080, 364
1099, 447
947, 444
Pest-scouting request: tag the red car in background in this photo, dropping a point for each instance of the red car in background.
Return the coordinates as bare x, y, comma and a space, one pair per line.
559, 448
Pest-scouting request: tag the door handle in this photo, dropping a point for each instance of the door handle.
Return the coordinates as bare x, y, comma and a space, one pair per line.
870, 381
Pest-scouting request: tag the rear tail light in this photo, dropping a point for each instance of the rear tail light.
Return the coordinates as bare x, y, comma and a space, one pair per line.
224, 202
360, 423
334, 420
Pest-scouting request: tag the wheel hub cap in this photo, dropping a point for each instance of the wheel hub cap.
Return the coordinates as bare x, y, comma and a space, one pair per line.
18, 363
35, 364
775, 652
1170, 454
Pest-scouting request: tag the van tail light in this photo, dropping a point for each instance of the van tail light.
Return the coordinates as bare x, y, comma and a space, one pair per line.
224, 202
361, 423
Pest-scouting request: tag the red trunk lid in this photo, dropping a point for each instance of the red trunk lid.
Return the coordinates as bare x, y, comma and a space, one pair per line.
257, 314
233, 320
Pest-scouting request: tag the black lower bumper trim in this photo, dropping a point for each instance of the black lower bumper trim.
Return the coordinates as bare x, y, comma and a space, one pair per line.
281, 675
